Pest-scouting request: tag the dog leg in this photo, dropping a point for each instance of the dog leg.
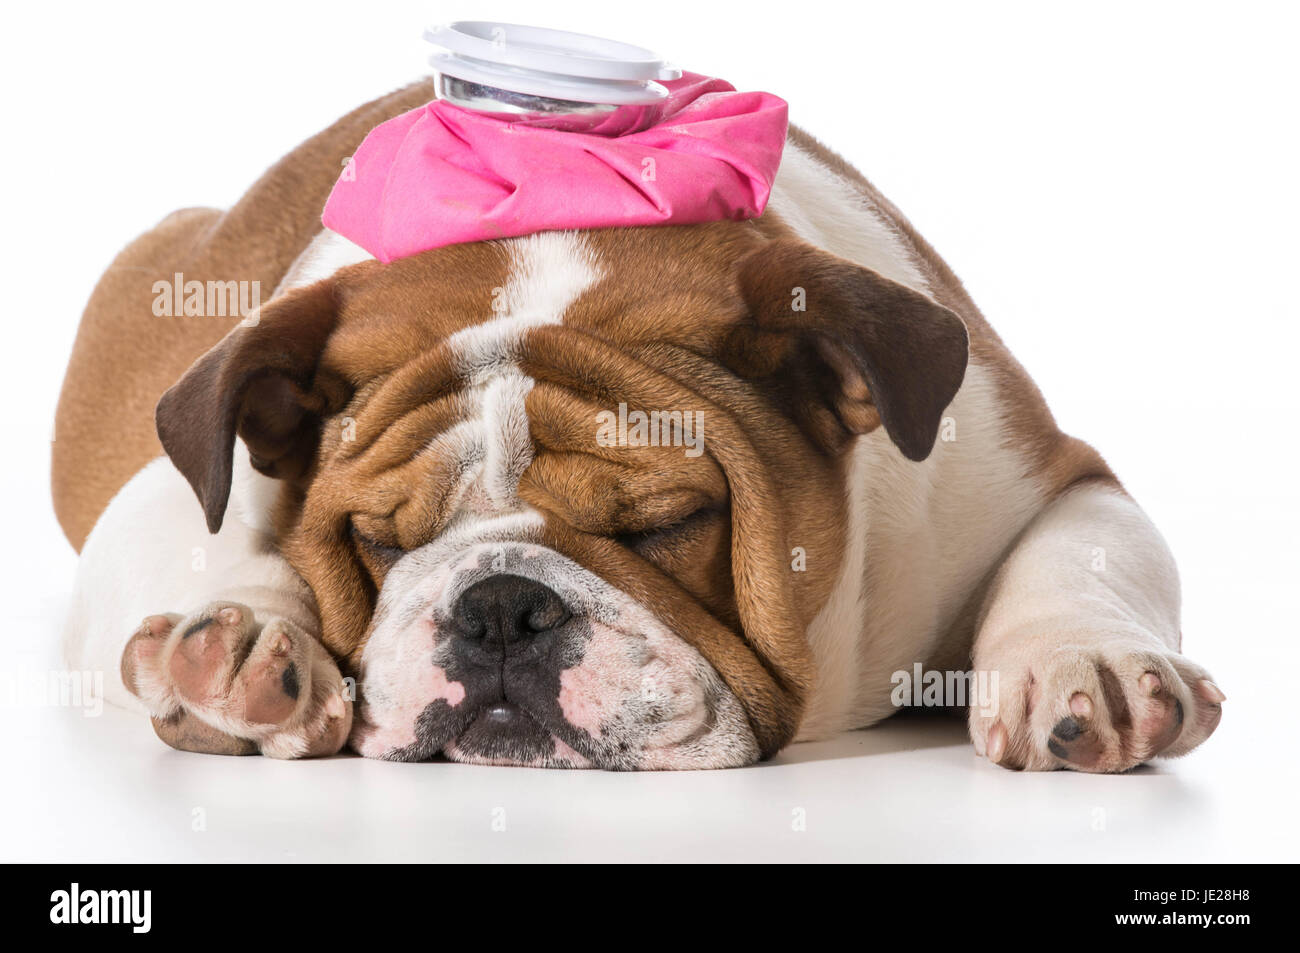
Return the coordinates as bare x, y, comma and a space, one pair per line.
1081, 628
228, 658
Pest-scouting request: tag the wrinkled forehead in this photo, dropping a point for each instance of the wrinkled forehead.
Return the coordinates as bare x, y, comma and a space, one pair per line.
629, 286
463, 383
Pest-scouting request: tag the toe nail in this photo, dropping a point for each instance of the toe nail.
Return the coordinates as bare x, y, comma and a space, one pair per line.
230, 616
1149, 683
997, 743
334, 706
281, 645
1081, 705
1212, 693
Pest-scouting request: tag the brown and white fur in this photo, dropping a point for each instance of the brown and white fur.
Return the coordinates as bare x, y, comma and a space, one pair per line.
690, 636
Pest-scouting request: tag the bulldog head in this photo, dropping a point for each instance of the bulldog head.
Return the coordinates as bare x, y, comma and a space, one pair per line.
571, 499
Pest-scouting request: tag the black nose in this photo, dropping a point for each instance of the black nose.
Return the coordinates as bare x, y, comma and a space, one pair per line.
500, 611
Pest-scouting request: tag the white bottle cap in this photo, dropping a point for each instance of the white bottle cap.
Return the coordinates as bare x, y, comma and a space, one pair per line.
495, 60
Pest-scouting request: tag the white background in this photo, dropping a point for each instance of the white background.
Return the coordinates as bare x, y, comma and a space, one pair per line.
1115, 183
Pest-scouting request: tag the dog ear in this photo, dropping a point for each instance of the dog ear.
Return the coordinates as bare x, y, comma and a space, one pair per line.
259, 382
845, 349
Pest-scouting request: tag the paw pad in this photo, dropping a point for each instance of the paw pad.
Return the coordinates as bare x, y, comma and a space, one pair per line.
220, 682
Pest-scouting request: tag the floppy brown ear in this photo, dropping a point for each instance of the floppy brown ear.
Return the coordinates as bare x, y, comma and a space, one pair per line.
259, 382
846, 349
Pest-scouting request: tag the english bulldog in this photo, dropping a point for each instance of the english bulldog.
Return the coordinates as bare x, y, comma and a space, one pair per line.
628, 498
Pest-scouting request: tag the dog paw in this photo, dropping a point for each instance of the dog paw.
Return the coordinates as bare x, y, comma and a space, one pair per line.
221, 682
1102, 708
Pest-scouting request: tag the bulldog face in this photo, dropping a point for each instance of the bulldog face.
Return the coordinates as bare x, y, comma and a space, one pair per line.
571, 499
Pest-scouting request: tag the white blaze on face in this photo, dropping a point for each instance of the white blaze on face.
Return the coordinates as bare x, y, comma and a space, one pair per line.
638, 690
547, 274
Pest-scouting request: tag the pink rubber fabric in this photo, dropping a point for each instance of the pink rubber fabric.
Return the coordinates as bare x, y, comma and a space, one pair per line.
439, 175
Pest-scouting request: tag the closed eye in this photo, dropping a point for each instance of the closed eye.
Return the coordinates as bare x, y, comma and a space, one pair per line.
383, 553
678, 532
